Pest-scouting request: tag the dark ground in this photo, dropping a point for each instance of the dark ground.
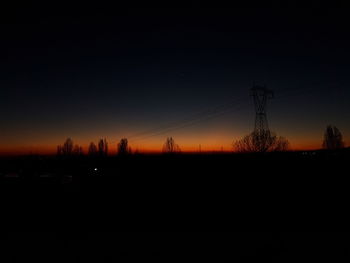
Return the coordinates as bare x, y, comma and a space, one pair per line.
60, 208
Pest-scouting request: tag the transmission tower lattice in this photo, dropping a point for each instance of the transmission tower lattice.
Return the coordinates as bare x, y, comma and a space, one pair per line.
260, 96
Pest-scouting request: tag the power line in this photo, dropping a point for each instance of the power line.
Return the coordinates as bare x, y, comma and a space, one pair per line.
207, 114
185, 125
194, 116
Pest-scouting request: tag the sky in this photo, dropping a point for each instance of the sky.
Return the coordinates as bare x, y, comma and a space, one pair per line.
148, 74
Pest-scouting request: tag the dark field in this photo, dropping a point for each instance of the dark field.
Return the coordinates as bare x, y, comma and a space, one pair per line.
122, 205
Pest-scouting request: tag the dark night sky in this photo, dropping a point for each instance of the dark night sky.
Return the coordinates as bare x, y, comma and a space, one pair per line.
113, 73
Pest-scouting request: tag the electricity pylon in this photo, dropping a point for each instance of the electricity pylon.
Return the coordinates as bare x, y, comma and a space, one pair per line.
260, 96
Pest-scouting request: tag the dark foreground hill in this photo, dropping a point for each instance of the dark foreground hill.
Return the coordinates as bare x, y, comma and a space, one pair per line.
204, 205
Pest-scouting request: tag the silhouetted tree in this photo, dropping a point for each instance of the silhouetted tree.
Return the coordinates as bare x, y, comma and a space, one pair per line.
92, 149
103, 147
282, 145
261, 142
333, 139
67, 148
170, 146
123, 148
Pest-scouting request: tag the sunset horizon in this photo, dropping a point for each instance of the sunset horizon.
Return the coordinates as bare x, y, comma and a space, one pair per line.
174, 130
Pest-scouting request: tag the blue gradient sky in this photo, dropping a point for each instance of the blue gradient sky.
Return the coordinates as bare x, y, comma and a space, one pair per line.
91, 74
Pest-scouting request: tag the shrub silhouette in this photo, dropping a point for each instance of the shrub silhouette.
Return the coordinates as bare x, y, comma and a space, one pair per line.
103, 147
69, 149
92, 149
333, 139
66, 149
123, 148
265, 141
170, 146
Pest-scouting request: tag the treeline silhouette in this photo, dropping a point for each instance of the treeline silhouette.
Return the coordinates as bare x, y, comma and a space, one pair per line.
267, 141
255, 142
70, 149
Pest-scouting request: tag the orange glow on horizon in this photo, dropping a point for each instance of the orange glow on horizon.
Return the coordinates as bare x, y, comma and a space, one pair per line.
50, 149
208, 140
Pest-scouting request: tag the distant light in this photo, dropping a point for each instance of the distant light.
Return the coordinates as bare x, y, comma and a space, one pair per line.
95, 169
